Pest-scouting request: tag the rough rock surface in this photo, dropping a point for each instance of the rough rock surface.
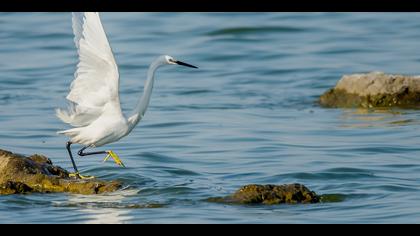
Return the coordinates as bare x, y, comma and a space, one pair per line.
270, 194
20, 174
374, 89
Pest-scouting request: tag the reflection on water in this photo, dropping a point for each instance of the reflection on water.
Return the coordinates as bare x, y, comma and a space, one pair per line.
378, 117
101, 209
106, 215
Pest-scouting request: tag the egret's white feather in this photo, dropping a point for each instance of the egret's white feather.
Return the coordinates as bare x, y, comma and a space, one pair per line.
94, 109
96, 78
78, 116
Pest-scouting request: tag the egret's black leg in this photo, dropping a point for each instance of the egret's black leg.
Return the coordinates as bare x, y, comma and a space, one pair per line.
71, 156
81, 153
109, 154
76, 174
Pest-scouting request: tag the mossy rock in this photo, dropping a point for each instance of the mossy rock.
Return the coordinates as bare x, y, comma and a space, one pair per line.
270, 194
374, 89
20, 174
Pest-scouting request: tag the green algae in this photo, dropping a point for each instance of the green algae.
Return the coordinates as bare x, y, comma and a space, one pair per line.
269, 194
339, 98
20, 174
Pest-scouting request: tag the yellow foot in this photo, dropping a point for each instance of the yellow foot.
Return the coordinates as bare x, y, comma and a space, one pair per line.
115, 157
79, 176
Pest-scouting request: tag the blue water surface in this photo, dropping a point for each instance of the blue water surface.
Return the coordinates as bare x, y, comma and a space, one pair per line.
248, 115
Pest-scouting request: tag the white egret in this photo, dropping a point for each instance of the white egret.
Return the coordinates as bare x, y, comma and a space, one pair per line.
95, 109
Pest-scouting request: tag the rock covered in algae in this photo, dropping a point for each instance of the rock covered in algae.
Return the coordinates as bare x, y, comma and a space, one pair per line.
20, 174
374, 89
270, 194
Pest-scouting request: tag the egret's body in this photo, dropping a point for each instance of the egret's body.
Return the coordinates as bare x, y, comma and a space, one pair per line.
95, 109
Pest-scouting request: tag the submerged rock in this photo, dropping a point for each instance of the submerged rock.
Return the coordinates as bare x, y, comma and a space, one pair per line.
270, 194
20, 174
374, 89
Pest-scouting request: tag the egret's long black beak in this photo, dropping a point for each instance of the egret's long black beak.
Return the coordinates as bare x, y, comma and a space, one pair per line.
185, 64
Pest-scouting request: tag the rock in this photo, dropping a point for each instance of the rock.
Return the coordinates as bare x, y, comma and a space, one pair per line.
374, 89
270, 194
11, 187
20, 174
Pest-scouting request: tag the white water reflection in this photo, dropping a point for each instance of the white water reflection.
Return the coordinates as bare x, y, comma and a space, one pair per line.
105, 208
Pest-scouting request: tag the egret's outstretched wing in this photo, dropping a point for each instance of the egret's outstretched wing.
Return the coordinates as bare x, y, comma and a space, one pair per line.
96, 78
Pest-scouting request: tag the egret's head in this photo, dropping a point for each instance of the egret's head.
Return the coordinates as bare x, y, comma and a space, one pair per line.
171, 61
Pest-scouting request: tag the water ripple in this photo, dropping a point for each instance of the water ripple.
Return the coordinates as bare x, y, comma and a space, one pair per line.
255, 30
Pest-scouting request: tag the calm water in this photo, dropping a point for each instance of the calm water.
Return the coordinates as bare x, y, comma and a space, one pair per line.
248, 115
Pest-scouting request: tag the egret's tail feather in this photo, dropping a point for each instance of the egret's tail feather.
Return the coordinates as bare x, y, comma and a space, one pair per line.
77, 115
70, 132
63, 115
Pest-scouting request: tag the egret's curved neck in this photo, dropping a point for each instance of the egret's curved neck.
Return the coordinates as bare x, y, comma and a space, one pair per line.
144, 100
